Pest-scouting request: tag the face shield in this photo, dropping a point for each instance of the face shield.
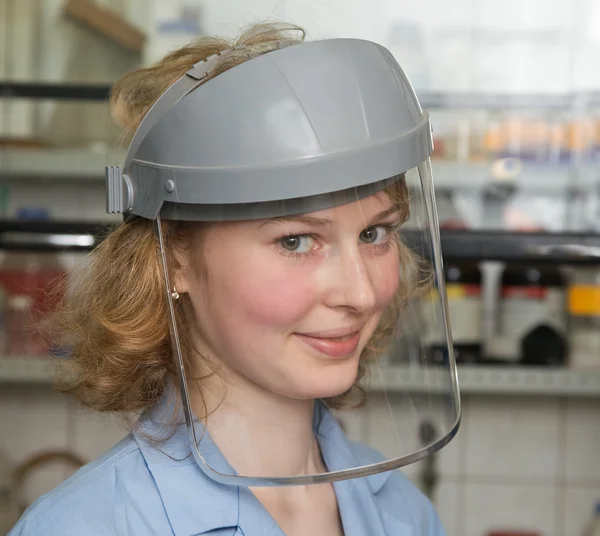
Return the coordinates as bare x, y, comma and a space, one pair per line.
308, 273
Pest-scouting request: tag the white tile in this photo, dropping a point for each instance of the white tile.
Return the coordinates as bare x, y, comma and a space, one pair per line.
448, 503
583, 440
579, 505
512, 437
392, 427
32, 419
491, 507
95, 433
448, 458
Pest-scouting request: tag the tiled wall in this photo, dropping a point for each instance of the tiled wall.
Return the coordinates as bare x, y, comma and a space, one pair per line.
517, 463
520, 463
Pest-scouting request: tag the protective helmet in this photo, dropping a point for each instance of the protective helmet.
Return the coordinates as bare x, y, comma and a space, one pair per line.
301, 129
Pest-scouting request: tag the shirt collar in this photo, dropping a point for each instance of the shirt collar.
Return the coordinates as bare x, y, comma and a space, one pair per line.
341, 453
196, 504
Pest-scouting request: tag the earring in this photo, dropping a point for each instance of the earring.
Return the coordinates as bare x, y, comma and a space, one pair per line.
175, 294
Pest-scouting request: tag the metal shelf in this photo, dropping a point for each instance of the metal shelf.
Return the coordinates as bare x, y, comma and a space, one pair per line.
26, 370
492, 380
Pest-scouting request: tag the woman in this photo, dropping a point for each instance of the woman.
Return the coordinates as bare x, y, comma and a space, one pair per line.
262, 192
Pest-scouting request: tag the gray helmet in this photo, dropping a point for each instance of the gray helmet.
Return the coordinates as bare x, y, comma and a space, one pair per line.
264, 132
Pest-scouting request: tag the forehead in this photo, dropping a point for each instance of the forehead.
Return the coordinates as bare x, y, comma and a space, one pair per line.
367, 207
360, 213
363, 210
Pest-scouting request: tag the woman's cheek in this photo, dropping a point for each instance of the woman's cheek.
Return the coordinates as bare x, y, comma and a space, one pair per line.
278, 299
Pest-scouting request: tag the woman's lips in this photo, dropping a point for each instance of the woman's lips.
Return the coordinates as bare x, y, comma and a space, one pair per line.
333, 346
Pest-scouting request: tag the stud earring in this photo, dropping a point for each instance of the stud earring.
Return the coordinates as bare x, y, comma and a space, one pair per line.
175, 294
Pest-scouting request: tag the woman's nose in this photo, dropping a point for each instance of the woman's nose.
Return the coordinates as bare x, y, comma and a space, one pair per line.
349, 282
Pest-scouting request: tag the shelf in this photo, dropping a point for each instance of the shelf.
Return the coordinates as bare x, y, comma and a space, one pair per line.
26, 370
43, 90
503, 101
457, 245
428, 99
506, 246
513, 176
51, 235
481, 380
492, 380
57, 164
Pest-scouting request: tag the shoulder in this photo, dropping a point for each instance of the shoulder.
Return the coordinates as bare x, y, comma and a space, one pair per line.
398, 498
98, 499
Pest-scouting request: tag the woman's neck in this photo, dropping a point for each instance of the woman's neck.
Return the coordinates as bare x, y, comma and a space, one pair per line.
259, 432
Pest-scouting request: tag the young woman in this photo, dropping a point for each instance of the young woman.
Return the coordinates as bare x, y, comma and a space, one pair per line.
255, 280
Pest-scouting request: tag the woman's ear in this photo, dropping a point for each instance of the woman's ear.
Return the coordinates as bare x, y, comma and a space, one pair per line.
185, 257
181, 271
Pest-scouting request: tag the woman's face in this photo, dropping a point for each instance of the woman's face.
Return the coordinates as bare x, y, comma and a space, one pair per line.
290, 303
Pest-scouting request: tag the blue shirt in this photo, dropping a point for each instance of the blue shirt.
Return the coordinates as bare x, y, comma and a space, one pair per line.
140, 489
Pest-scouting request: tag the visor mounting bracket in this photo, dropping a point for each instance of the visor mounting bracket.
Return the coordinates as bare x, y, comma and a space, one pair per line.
119, 191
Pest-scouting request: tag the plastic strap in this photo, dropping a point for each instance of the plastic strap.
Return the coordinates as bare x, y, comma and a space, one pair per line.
182, 87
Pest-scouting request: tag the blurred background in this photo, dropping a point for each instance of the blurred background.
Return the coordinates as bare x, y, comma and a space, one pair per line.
513, 90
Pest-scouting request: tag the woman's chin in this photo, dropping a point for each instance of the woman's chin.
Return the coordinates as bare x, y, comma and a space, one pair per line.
325, 385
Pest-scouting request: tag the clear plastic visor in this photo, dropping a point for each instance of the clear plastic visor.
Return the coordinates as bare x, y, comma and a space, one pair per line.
314, 347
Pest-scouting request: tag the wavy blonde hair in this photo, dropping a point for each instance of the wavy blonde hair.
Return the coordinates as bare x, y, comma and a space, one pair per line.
114, 318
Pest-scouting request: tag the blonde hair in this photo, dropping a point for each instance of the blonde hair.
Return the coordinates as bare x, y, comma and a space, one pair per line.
114, 318
133, 95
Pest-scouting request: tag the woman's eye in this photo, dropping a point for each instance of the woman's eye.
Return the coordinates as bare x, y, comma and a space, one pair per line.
374, 235
297, 243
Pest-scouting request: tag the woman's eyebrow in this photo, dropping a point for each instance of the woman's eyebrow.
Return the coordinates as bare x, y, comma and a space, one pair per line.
394, 209
321, 222
308, 220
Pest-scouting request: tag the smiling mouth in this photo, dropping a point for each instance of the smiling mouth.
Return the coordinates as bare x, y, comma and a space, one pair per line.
338, 346
338, 333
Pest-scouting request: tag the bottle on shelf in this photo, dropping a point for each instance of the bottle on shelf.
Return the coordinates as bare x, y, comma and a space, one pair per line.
584, 317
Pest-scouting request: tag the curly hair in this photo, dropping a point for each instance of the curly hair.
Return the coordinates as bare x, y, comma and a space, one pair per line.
114, 318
